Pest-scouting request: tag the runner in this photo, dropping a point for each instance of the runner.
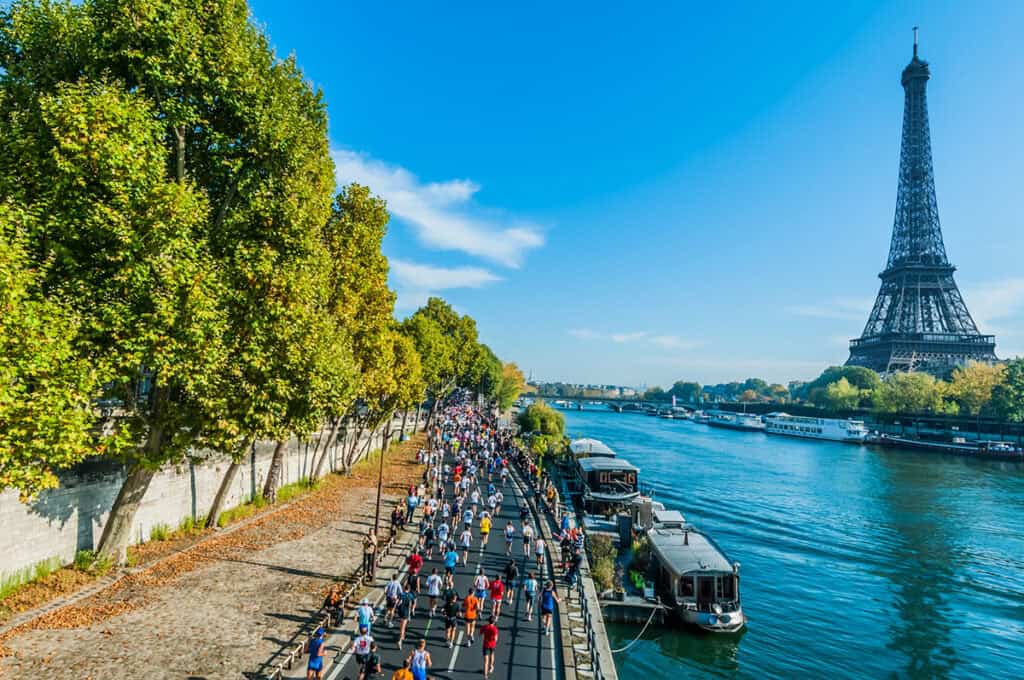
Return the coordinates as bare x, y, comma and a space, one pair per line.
450, 611
530, 593
419, 661
361, 647
470, 607
480, 584
364, 615
489, 633
406, 602
392, 591
511, 577
538, 549
466, 539
510, 535
527, 537
433, 590
497, 589
371, 666
548, 600
451, 559
485, 528
315, 667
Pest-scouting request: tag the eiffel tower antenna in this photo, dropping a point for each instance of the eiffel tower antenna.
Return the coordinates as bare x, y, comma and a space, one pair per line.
919, 320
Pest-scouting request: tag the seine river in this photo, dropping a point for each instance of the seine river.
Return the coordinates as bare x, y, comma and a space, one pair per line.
856, 562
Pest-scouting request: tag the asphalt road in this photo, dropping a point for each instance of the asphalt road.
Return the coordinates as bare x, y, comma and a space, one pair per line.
523, 650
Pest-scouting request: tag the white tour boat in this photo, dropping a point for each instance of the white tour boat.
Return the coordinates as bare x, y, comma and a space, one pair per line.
833, 429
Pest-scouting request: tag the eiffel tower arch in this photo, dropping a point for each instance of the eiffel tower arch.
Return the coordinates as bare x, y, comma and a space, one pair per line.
919, 321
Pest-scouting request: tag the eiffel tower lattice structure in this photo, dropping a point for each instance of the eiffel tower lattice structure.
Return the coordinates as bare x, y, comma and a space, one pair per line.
919, 321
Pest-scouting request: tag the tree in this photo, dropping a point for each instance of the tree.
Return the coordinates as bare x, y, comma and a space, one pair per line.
749, 395
756, 385
688, 392
841, 396
46, 386
512, 384
778, 393
539, 417
972, 385
859, 377
1008, 395
656, 394
912, 393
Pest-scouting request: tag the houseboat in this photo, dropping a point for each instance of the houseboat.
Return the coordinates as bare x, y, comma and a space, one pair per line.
736, 421
608, 483
693, 575
832, 429
586, 448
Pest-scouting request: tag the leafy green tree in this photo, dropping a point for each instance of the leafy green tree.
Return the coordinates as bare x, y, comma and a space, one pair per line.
46, 385
912, 393
755, 385
1008, 395
857, 376
972, 385
778, 393
688, 392
512, 384
842, 396
656, 394
539, 417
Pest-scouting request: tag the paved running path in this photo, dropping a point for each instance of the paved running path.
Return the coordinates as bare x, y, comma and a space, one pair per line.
523, 650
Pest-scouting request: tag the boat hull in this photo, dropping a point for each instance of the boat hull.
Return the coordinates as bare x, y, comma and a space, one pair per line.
726, 622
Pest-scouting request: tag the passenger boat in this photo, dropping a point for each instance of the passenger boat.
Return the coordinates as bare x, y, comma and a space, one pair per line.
701, 417
693, 575
586, 447
959, 446
736, 421
832, 429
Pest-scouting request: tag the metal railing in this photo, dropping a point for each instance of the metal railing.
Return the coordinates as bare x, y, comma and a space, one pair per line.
326, 620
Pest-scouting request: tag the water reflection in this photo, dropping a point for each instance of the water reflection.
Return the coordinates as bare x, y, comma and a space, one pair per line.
926, 561
707, 653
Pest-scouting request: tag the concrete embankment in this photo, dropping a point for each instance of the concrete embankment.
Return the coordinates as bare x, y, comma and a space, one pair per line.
62, 521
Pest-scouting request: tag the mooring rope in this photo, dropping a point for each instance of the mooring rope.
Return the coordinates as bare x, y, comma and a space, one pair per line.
640, 635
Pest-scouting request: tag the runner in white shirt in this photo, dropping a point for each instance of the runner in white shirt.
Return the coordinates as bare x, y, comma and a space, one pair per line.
510, 534
527, 538
433, 590
466, 539
538, 549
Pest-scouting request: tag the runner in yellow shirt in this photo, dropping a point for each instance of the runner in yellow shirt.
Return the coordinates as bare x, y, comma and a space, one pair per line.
485, 527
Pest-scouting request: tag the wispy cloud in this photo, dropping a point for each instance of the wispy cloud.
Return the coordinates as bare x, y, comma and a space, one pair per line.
998, 307
427, 277
673, 342
442, 214
840, 308
628, 337
415, 282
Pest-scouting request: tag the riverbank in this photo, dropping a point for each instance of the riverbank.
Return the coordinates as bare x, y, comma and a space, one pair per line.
921, 557
228, 604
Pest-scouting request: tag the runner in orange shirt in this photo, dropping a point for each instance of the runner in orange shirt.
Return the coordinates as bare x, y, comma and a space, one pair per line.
470, 609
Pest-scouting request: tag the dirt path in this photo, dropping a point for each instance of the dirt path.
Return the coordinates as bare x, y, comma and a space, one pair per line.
224, 607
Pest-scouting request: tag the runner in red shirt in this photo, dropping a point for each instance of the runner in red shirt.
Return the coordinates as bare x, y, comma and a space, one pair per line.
497, 595
489, 633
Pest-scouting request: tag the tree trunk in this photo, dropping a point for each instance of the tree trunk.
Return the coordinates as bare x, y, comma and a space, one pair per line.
179, 133
225, 485
117, 530
349, 459
327, 450
416, 423
270, 487
405, 414
380, 475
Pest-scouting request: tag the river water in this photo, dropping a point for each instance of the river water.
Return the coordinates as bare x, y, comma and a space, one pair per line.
856, 562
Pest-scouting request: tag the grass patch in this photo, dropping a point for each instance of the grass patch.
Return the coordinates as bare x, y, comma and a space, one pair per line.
90, 562
160, 532
602, 565
242, 511
13, 582
296, 489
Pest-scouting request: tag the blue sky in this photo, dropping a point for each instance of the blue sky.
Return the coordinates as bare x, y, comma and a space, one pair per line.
639, 193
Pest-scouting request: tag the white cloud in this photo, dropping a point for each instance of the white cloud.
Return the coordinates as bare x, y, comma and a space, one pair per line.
583, 333
441, 213
839, 308
998, 308
674, 342
628, 337
426, 277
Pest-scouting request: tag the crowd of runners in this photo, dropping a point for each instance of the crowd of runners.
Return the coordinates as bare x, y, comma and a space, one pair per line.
455, 513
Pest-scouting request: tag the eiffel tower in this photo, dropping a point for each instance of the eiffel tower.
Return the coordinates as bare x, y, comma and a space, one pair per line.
919, 321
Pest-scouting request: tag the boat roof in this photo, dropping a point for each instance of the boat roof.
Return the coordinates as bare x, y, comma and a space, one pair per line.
599, 463
591, 447
668, 517
684, 551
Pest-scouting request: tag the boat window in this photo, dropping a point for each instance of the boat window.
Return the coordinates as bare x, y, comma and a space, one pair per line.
728, 590
686, 586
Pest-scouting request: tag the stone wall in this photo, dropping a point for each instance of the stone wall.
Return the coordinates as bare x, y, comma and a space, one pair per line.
62, 521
